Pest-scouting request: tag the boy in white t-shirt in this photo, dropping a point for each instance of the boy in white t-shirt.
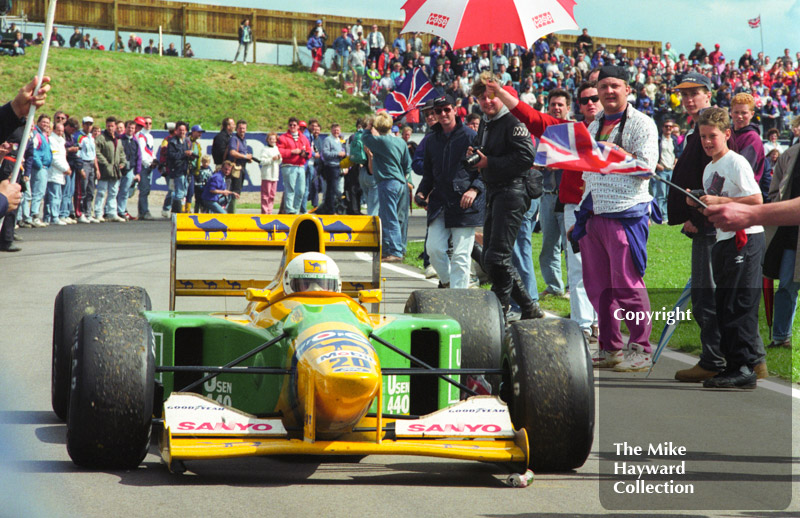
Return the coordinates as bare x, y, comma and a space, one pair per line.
736, 256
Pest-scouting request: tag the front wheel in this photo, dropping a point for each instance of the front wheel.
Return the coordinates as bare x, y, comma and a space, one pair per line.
549, 387
111, 401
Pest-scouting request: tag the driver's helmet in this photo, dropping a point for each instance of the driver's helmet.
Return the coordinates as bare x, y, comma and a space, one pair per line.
311, 271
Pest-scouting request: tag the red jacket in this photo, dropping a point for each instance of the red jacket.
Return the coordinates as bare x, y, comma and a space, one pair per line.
286, 144
571, 188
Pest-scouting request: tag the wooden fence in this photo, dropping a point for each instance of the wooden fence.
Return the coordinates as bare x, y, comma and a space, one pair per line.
211, 21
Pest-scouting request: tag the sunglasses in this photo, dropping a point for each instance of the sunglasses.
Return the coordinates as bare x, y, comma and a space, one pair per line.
439, 111
593, 98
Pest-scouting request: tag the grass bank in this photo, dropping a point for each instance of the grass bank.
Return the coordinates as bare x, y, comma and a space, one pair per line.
202, 92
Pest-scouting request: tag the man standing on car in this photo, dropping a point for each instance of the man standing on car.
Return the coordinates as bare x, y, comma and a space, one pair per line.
506, 157
455, 197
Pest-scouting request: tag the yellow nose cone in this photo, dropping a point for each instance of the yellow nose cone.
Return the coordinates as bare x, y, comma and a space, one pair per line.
345, 377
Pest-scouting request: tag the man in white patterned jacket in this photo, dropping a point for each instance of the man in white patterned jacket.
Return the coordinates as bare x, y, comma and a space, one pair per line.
612, 228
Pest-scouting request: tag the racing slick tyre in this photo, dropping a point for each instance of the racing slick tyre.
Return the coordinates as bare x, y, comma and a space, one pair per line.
482, 324
72, 303
549, 387
111, 402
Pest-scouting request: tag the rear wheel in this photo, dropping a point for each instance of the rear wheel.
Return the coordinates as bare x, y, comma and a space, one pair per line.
480, 316
111, 401
72, 303
549, 388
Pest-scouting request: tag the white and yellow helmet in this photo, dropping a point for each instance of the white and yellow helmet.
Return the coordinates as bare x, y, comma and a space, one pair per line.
311, 271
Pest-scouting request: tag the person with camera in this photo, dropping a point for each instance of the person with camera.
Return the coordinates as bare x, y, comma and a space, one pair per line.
505, 155
179, 156
453, 196
295, 150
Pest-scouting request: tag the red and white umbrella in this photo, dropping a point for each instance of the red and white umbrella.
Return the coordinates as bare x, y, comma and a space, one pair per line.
464, 23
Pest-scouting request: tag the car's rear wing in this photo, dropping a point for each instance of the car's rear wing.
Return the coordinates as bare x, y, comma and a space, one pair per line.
253, 231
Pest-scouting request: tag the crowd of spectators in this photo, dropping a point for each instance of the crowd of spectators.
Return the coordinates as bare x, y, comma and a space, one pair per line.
374, 65
83, 40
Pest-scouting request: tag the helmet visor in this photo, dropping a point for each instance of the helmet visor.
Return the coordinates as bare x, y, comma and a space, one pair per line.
300, 284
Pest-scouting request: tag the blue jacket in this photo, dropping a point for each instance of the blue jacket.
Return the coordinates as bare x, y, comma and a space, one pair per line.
446, 180
342, 44
330, 149
42, 154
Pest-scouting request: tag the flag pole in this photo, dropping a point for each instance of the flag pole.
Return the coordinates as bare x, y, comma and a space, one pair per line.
761, 30
688, 194
51, 14
23, 143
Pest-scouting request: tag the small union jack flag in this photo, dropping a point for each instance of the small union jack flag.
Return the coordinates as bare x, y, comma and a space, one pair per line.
569, 146
754, 23
413, 92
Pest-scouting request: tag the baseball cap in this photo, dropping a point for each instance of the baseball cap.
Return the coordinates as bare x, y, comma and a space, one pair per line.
303, 124
344, 29
199, 128
138, 120
716, 45
319, 21
427, 106
613, 71
395, 129
693, 80
444, 100
88, 120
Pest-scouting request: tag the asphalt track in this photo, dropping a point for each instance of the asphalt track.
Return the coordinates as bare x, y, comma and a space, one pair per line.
740, 457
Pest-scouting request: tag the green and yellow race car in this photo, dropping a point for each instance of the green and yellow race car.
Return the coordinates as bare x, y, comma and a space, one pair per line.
310, 366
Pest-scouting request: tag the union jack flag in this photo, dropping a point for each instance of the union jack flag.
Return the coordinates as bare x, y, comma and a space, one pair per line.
754, 23
569, 146
413, 92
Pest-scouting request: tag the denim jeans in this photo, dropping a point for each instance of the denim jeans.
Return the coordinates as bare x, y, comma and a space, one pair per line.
294, 188
660, 190
214, 207
333, 192
180, 184
110, 188
67, 193
125, 184
52, 207
553, 235
785, 299
522, 256
38, 189
704, 307
456, 269
580, 308
241, 46
144, 191
369, 188
393, 202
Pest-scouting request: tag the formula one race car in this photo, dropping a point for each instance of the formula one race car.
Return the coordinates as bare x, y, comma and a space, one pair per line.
306, 368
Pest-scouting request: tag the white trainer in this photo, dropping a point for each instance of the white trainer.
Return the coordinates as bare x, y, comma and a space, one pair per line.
636, 360
602, 359
83, 219
115, 217
60, 222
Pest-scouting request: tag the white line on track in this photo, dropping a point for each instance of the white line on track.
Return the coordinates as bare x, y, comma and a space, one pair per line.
780, 388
